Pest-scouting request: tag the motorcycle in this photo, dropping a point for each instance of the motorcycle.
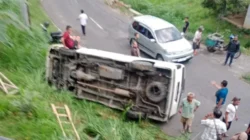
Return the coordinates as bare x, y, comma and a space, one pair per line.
215, 42
53, 37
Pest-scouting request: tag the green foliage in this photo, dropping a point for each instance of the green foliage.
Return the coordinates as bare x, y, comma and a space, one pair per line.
226, 6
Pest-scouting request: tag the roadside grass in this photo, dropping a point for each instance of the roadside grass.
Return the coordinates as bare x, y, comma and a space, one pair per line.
247, 77
175, 11
28, 115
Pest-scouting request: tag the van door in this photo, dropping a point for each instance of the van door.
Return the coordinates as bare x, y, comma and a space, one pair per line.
178, 88
144, 40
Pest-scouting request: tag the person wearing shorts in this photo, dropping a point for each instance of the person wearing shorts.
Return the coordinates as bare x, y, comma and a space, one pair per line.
187, 108
70, 42
197, 39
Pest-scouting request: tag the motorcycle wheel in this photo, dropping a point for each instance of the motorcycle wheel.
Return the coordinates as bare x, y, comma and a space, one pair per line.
210, 49
237, 55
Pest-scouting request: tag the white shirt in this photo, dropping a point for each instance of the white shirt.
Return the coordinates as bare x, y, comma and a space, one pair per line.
210, 131
83, 19
197, 36
231, 109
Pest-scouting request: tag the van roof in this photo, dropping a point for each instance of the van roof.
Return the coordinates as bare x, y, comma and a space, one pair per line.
124, 58
153, 22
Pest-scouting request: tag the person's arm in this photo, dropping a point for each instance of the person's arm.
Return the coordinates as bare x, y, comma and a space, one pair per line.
237, 47
220, 102
180, 108
226, 118
197, 104
216, 85
138, 51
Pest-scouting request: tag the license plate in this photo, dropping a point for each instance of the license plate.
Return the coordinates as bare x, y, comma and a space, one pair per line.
182, 59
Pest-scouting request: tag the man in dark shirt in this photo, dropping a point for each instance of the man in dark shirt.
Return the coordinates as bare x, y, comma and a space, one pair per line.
185, 28
233, 47
70, 42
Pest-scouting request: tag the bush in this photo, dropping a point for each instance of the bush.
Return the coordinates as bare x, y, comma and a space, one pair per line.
222, 7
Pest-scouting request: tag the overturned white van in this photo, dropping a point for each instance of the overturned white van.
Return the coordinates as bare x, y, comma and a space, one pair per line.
149, 88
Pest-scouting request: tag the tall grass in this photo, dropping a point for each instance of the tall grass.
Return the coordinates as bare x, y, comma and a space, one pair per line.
175, 11
28, 116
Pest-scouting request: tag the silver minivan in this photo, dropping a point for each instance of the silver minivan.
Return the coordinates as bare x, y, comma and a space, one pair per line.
160, 39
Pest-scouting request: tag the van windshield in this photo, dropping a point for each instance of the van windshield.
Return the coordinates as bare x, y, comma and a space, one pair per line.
168, 34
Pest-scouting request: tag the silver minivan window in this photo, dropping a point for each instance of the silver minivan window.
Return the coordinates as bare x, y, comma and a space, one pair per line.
168, 34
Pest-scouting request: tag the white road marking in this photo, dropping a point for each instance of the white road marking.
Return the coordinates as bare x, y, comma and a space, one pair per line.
196, 136
96, 23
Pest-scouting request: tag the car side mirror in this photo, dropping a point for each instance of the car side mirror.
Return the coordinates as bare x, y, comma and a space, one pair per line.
152, 40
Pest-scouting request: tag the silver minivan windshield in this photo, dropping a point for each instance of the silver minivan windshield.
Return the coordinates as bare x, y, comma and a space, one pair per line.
168, 34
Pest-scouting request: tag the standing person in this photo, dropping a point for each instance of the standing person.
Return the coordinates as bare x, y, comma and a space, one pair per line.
197, 39
243, 135
230, 113
233, 47
186, 25
214, 127
221, 93
69, 41
83, 19
187, 108
135, 50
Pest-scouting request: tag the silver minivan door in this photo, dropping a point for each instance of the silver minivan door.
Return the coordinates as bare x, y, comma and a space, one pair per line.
144, 40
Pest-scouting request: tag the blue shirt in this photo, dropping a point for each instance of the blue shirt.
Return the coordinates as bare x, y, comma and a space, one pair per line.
221, 93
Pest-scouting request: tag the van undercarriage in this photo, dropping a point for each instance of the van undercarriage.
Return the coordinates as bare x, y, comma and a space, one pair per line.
137, 86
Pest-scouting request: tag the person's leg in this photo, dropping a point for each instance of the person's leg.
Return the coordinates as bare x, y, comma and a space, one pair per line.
194, 48
183, 121
231, 58
227, 57
189, 124
83, 29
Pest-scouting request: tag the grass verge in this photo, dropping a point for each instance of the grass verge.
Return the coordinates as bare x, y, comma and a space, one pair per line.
175, 11
28, 116
247, 77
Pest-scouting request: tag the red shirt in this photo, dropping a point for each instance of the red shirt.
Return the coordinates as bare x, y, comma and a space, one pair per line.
68, 41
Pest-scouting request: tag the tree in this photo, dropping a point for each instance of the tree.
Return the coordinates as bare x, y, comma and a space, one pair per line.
225, 7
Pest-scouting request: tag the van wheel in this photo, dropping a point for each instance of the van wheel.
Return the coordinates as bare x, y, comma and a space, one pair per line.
156, 92
159, 57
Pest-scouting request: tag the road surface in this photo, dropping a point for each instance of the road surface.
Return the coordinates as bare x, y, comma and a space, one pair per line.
107, 30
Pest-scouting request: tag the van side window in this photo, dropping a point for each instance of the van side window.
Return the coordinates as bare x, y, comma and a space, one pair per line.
150, 35
142, 30
135, 25
177, 92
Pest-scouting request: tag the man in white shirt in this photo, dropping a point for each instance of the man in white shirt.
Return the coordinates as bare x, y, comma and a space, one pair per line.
230, 113
83, 20
214, 127
197, 39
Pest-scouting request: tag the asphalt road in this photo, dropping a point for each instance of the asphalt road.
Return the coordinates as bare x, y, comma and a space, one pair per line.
107, 29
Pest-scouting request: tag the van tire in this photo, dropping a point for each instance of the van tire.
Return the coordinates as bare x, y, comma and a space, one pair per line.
159, 57
156, 92
67, 52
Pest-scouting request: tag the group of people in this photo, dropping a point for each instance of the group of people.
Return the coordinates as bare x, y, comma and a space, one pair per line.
73, 42
216, 123
232, 49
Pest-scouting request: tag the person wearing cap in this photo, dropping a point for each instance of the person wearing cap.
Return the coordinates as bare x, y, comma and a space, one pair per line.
221, 93
188, 106
233, 47
197, 39
214, 127
230, 113
243, 135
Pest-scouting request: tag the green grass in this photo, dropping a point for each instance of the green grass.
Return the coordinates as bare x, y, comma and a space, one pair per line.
28, 115
175, 11
247, 77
